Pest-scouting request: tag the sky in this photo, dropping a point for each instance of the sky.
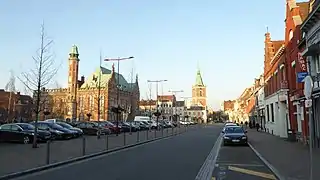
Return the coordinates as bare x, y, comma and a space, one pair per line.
169, 39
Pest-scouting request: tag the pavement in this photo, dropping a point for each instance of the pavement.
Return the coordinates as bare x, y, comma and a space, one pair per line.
179, 157
19, 157
289, 159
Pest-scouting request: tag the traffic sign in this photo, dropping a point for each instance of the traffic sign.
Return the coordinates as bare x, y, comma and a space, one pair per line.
308, 103
308, 87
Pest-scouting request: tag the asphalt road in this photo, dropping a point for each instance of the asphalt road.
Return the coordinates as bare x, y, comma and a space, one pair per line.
179, 157
240, 162
19, 157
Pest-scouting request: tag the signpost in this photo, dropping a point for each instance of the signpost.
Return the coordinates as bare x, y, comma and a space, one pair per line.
308, 89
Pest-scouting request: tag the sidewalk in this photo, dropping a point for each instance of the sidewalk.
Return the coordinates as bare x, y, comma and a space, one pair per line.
291, 159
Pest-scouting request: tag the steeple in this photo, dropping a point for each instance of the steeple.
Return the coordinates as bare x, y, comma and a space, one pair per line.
199, 81
74, 53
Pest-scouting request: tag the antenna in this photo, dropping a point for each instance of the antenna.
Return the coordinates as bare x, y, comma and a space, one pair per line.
267, 29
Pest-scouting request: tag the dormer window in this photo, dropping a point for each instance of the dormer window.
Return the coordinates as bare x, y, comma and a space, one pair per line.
290, 34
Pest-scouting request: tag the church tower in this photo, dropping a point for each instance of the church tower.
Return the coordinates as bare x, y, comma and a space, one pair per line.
199, 93
73, 82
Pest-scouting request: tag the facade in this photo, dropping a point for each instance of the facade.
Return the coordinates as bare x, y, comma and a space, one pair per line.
166, 104
260, 103
311, 37
15, 106
296, 13
147, 107
81, 100
197, 113
275, 88
180, 110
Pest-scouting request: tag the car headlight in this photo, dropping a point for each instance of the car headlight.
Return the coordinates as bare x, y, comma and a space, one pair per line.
244, 137
226, 137
32, 134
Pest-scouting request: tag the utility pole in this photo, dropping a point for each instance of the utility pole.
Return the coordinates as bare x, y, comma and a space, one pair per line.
118, 109
157, 113
174, 107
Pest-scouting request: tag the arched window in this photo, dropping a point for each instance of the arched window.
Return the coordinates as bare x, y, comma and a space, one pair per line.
290, 34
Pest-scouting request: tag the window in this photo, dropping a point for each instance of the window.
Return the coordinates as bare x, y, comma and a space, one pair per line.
317, 63
290, 34
268, 116
201, 93
5, 127
272, 112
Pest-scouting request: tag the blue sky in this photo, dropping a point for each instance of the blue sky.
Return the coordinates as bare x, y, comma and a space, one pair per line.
168, 38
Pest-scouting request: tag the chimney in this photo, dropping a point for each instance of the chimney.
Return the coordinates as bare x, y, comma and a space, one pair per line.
82, 78
18, 93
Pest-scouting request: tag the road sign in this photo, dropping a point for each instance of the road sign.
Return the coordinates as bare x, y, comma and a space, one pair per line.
301, 76
308, 87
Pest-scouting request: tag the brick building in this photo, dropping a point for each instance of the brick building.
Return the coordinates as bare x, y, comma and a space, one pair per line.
275, 87
228, 105
80, 100
296, 65
15, 106
147, 107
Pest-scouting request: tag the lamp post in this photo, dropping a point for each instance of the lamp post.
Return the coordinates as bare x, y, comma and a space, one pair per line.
174, 108
157, 113
118, 109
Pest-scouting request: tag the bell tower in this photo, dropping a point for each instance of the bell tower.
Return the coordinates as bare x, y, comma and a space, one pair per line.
199, 91
73, 82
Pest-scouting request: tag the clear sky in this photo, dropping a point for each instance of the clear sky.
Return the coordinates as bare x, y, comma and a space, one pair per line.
168, 38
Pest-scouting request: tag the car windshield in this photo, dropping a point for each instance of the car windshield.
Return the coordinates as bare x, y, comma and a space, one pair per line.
65, 125
234, 130
26, 126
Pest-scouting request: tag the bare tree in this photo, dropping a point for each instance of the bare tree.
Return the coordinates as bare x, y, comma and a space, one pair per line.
40, 76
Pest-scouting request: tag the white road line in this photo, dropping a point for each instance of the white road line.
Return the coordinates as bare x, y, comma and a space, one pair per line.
206, 170
242, 165
273, 169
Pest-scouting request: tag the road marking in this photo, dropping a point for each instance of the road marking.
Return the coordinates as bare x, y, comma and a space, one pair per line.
243, 165
207, 168
251, 172
273, 169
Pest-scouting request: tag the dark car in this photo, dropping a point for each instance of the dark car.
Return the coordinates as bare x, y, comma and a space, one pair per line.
92, 128
57, 131
22, 132
234, 135
78, 131
113, 127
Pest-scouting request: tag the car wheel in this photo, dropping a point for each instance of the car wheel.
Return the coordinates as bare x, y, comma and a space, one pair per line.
26, 140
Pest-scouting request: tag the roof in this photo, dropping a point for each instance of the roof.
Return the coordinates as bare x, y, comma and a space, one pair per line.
74, 50
166, 97
105, 75
147, 102
199, 81
304, 10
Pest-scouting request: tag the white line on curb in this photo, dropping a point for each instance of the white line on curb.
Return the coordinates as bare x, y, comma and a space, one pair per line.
206, 170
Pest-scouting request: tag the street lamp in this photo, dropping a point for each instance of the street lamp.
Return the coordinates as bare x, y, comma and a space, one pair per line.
118, 109
174, 107
157, 113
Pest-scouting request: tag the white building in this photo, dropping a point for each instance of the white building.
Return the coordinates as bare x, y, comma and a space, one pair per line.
196, 113
179, 109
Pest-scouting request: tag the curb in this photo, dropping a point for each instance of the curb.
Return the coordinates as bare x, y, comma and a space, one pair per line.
272, 169
61, 163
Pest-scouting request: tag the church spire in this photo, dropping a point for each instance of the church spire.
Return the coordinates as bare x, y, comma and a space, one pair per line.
199, 81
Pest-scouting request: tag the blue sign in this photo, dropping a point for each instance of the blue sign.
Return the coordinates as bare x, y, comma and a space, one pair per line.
301, 76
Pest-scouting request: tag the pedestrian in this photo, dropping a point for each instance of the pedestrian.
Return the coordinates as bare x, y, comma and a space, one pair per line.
257, 126
250, 125
246, 123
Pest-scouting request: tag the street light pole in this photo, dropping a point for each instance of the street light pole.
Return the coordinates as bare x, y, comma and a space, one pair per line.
157, 112
117, 109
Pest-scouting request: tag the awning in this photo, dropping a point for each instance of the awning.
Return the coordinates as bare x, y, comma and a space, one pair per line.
311, 50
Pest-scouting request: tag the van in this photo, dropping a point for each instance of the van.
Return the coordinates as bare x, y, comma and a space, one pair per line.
146, 119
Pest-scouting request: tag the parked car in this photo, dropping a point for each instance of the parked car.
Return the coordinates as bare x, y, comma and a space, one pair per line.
57, 131
93, 128
111, 126
22, 132
134, 126
234, 135
78, 131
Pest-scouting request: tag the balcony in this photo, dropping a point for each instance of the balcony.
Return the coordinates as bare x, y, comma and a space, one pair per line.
284, 84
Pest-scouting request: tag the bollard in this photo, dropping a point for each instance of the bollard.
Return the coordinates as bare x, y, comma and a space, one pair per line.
83, 146
155, 133
147, 135
48, 152
130, 129
106, 138
172, 131
167, 131
124, 138
162, 132
138, 136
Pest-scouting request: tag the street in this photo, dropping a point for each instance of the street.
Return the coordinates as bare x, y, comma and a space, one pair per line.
180, 157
